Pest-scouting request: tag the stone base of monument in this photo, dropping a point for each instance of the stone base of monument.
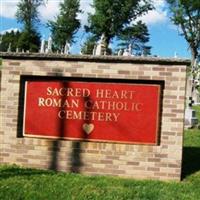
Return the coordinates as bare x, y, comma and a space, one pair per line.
190, 118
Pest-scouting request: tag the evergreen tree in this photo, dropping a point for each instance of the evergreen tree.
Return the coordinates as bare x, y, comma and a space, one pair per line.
137, 35
27, 14
66, 24
29, 41
112, 16
89, 45
9, 39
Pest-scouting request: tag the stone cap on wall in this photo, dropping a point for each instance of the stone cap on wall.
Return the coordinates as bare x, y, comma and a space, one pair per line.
90, 58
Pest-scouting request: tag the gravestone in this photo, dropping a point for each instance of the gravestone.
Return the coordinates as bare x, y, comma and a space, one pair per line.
94, 50
126, 52
42, 46
100, 48
190, 115
9, 48
191, 99
66, 48
49, 45
130, 49
120, 52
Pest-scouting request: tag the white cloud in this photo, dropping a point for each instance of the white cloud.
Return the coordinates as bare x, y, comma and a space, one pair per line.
8, 8
50, 10
159, 3
85, 6
158, 15
9, 30
154, 17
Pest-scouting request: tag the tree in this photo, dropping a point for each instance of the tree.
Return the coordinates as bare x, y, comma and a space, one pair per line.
9, 40
186, 15
89, 45
137, 35
29, 41
111, 16
27, 13
66, 24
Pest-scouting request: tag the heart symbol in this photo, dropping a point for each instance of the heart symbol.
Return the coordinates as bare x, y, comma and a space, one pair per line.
88, 128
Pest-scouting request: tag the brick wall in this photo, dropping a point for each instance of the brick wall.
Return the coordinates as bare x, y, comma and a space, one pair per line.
161, 161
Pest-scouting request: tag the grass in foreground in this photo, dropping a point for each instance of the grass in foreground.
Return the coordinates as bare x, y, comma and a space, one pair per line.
197, 109
191, 151
30, 184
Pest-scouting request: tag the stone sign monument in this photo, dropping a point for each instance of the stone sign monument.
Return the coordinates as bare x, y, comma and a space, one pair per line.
96, 115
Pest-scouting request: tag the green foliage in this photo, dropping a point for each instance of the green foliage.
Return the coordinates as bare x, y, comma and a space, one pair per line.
29, 40
66, 24
26, 40
9, 39
136, 35
89, 45
186, 14
192, 138
111, 17
197, 109
27, 13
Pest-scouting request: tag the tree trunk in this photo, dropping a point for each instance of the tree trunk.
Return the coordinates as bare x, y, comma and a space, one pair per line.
107, 41
194, 55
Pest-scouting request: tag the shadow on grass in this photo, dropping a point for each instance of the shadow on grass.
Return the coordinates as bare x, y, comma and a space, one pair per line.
12, 171
191, 163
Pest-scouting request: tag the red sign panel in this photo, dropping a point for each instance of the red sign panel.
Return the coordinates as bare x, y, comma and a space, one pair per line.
115, 112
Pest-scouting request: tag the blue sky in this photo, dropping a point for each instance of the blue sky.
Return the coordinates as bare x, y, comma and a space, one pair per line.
165, 38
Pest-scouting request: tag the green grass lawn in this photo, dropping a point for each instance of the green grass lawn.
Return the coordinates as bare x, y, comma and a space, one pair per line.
30, 184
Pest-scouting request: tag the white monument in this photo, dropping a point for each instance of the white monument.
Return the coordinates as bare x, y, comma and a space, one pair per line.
120, 52
101, 49
9, 48
175, 55
49, 45
192, 98
66, 48
130, 49
126, 52
94, 50
42, 46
